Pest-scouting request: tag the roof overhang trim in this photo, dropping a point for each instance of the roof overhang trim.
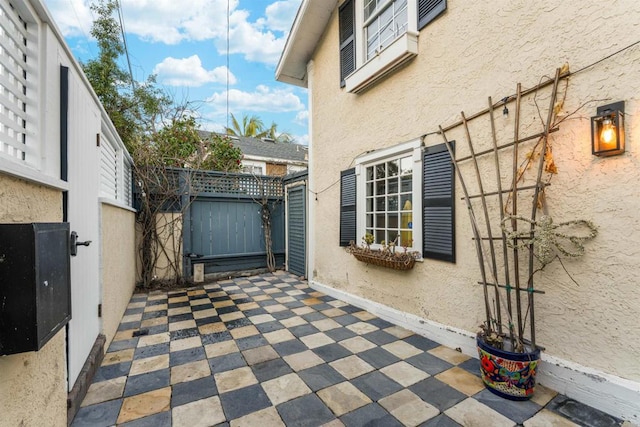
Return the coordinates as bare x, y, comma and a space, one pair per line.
308, 27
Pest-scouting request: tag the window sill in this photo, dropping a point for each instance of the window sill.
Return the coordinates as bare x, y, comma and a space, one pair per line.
393, 56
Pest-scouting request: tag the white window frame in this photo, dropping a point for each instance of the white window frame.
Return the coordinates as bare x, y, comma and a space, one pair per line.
402, 49
412, 148
254, 165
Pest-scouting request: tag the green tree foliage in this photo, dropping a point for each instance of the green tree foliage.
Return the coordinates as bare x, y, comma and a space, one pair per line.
133, 108
251, 127
222, 155
284, 137
159, 135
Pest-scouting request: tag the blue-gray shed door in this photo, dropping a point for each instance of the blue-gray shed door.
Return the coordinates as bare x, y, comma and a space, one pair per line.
296, 229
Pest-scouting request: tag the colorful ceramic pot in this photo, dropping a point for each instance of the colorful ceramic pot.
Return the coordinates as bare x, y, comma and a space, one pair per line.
507, 374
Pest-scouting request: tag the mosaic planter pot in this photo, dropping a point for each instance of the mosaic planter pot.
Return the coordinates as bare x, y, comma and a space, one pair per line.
507, 374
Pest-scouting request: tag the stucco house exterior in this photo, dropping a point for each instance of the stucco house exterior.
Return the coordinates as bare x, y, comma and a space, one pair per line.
61, 161
385, 76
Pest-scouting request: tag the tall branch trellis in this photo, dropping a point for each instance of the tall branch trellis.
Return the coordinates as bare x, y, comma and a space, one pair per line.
518, 278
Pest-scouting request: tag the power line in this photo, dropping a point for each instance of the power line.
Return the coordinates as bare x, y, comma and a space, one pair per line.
75, 12
124, 42
504, 100
228, 19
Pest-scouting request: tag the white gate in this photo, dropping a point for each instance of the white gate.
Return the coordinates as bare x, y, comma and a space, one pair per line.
83, 214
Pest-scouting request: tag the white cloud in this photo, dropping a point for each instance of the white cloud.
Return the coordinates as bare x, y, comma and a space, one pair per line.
258, 39
280, 15
190, 72
263, 98
302, 118
301, 139
73, 17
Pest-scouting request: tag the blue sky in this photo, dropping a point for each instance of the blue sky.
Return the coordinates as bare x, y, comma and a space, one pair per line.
185, 43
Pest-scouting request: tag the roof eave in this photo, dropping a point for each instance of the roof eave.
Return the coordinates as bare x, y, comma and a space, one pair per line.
306, 31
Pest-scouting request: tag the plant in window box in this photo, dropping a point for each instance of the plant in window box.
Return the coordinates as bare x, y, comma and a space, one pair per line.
387, 256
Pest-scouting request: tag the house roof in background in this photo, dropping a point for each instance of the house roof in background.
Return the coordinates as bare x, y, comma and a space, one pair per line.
253, 147
308, 27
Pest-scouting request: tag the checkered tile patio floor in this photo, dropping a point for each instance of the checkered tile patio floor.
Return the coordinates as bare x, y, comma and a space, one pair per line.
270, 351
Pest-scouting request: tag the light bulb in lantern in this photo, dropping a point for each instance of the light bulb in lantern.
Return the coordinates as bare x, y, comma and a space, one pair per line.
608, 139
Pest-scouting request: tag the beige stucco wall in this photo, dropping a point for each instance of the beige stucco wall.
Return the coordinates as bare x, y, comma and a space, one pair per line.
169, 226
118, 265
32, 385
476, 50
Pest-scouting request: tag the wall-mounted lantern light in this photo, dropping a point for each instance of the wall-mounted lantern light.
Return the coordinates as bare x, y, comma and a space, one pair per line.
607, 130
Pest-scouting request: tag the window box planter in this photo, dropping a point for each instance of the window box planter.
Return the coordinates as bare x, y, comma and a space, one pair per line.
384, 258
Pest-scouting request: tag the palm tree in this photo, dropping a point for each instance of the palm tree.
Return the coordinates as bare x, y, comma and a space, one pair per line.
283, 137
251, 126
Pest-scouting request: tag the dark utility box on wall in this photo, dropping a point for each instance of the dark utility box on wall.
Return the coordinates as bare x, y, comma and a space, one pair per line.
35, 286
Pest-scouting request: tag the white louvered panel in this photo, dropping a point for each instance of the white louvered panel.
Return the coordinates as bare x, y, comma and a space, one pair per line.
108, 170
127, 198
17, 86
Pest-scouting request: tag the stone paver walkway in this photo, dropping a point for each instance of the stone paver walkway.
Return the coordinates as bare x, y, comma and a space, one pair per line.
270, 351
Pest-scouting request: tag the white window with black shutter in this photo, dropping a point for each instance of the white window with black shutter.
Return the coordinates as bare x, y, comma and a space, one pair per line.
378, 36
402, 194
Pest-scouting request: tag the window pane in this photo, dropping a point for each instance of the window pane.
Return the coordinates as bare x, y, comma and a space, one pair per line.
386, 27
370, 173
406, 238
392, 186
380, 172
369, 204
392, 203
407, 202
392, 236
369, 8
369, 188
406, 166
380, 187
392, 168
405, 184
369, 221
401, 22
392, 220
380, 220
380, 205
380, 236
372, 39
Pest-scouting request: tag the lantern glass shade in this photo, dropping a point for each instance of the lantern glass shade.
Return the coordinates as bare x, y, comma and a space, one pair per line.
607, 130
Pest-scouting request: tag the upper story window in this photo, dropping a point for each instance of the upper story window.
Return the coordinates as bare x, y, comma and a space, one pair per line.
384, 22
378, 36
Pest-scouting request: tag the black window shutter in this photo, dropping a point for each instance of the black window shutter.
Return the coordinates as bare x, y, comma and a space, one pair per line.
346, 20
428, 10
438, 204
347, 206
